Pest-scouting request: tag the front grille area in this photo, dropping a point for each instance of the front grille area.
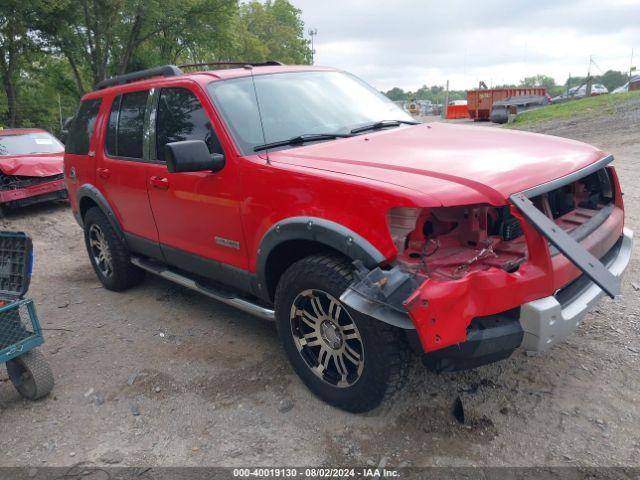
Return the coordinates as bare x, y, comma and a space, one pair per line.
11, 182
580, 207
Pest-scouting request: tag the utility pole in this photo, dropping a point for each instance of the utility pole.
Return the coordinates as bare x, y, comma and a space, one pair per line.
312, 33
631, 67
589, 81
60, 111
445, 105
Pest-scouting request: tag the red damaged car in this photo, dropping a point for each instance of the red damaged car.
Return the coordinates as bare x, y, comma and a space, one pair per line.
302, 195
30, 167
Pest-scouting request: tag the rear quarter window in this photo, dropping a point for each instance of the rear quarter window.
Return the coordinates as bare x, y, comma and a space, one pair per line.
81, 128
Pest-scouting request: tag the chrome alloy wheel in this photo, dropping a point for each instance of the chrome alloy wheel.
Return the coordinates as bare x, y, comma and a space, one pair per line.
327, 338
100, 250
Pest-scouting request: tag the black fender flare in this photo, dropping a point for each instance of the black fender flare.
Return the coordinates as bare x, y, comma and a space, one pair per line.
89, 191
319, 230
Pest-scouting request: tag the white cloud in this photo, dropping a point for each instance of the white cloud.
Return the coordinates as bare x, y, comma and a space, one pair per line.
408, 43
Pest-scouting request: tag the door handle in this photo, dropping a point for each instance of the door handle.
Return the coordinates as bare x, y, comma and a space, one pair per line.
161, 183
104, 173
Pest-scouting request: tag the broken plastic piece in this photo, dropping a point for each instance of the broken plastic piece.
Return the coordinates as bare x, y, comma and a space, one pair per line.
381, 293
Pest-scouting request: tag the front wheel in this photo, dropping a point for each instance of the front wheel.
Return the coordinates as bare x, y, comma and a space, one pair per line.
347, 359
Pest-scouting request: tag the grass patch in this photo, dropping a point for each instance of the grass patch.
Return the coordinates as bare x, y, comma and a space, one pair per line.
601, 104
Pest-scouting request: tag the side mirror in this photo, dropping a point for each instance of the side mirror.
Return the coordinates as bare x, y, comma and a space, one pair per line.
192, 156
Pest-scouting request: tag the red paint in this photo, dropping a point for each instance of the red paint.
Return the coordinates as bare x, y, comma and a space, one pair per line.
354, 182
449, 165
43, 165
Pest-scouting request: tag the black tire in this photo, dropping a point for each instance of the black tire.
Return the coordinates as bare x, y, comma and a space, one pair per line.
384, 352
31, 375
115, 271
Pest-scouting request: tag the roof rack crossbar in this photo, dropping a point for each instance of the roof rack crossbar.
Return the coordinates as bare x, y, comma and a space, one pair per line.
268, 63
163, 71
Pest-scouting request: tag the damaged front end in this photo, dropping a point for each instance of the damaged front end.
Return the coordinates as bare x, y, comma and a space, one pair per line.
20, 190
462, 274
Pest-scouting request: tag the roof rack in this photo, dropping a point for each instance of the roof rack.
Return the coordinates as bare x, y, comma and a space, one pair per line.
173, 71
268, 63
163, 71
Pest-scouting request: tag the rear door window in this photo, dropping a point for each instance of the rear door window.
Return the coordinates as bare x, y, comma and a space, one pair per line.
180, 116
126, 125
81, 128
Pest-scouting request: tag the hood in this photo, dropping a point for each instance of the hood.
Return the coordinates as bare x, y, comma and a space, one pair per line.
452, 164
42, 165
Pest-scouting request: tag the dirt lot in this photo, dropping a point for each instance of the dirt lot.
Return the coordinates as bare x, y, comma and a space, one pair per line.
162, 376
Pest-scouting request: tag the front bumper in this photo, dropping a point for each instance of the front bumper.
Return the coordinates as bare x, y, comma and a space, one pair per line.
552, 319
533, 326
20, 196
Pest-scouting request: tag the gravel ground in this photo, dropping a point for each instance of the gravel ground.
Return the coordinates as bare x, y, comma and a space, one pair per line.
161, 376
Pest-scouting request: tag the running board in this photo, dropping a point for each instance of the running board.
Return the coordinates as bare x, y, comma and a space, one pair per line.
225, 297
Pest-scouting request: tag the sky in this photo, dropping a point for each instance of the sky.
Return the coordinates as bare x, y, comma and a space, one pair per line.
409, 43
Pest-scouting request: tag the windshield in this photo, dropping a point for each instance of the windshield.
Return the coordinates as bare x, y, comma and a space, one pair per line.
299, 103
29, 143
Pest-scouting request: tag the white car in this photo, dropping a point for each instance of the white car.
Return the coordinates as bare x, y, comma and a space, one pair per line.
625, 88
596, 89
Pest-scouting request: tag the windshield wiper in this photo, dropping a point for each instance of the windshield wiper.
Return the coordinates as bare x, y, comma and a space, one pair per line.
383, 124
300, 139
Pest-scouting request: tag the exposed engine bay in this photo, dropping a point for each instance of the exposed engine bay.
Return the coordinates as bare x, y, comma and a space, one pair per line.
449, 243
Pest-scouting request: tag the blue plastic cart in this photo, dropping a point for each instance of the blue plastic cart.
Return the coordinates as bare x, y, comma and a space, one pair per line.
20, 332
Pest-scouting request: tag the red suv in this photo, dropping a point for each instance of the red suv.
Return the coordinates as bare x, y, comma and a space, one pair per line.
30, 167
303, 195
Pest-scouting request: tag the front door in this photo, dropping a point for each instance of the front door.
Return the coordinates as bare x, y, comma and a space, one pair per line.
197, 213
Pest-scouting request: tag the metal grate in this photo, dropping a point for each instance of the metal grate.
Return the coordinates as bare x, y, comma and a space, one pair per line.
16, 324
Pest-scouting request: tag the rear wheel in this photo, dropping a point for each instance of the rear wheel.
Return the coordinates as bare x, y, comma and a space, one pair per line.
109, 255
347, 359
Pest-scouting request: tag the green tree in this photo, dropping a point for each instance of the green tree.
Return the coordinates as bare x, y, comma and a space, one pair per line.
187, 31
539, 81
276, 25
612, 79
16, 46
101, 38
397, 94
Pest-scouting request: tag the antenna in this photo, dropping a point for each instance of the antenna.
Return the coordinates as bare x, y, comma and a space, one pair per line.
312, 33
255, 92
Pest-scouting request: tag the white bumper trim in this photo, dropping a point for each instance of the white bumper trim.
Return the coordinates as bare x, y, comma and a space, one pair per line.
546, 322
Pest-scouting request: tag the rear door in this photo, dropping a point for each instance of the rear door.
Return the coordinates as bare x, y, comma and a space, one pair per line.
121, 172
197, 213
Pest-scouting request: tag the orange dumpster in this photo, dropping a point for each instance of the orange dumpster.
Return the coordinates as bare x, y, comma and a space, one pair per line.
457, 111
480, 101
